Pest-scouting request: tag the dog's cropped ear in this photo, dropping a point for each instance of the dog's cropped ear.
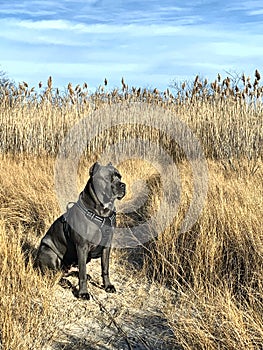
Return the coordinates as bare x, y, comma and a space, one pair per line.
94, 169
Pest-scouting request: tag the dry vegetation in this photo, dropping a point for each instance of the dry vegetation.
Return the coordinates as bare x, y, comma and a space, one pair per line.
213, 272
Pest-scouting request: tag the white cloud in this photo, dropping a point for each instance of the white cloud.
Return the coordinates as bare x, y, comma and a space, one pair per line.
73, 33
24, 12
256, 12
29, 8
244, 5
132, 29
44, 24
237, 49
147, 46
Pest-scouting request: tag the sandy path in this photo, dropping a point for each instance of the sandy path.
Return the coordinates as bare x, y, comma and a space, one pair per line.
130, 319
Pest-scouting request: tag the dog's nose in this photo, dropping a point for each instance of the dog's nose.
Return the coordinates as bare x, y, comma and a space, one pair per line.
123, 186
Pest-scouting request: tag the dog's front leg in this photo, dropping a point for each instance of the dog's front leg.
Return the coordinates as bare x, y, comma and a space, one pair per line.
82, 252
105, 259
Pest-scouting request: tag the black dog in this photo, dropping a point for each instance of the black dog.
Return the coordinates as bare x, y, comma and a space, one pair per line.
85, 230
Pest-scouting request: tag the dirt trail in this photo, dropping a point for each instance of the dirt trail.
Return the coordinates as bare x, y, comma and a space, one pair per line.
131, 319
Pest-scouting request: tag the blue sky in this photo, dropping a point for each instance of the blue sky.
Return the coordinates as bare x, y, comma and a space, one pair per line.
149, 43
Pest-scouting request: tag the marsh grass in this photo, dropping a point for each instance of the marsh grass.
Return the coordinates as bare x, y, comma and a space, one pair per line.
214, 269
225, 115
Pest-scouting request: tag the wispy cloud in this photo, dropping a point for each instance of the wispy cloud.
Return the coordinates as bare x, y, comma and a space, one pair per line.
149, 43
243, 5
256, 12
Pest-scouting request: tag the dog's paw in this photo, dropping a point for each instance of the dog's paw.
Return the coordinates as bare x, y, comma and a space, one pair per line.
110, 288
84, 296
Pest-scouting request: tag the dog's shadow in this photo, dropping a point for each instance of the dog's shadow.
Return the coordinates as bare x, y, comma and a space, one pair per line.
68, 285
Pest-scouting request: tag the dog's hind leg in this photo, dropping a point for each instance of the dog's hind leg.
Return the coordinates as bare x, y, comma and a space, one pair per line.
47, 259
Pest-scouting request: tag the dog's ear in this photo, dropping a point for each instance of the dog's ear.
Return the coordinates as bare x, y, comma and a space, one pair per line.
94, 169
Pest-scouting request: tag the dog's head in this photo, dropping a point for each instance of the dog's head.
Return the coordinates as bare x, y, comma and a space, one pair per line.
106, 182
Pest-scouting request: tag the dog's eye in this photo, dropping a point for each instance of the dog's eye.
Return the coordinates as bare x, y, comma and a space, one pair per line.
118, 175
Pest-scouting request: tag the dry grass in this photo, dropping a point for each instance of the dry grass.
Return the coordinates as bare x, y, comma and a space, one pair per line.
26, 317
225, 116
214, 270
26, 321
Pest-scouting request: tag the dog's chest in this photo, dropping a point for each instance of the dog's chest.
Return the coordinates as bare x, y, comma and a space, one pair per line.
106, 238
